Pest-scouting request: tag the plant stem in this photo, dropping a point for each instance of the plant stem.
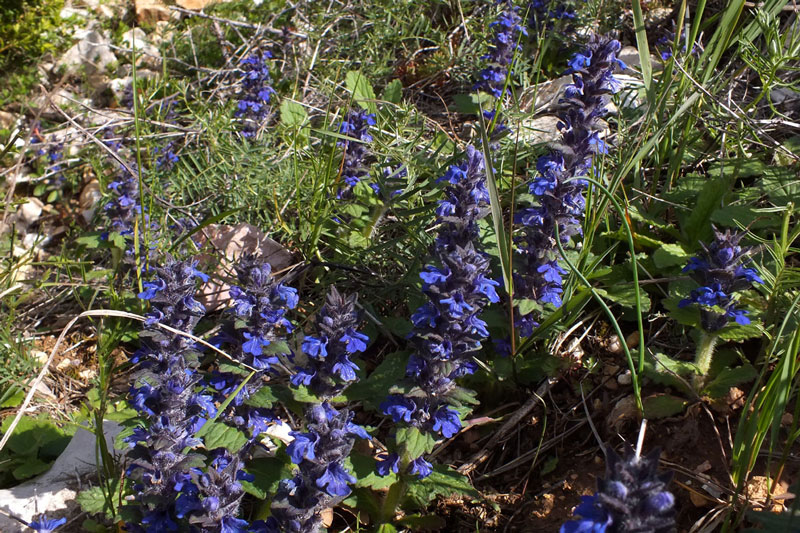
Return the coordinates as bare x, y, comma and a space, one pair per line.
705, 351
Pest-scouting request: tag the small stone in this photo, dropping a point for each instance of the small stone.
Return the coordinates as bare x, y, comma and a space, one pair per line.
39, 356
614, 345
90, 196
30, 211
632, 340
705, 466
625, 378
151, 11
540, 130
787, 419
69, 12
8, 120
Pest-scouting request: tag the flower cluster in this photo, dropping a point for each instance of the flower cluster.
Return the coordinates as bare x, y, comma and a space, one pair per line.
507, 30
329, 369
631, 498
557, 188
542, 13
720, 270
322, 479
211, 499
166, 158
256, 337
355, 126
665, 44
448, 329
255, 94
167, 396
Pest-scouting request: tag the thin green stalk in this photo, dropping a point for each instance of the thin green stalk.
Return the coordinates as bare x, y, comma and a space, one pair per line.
635, 269
634, 377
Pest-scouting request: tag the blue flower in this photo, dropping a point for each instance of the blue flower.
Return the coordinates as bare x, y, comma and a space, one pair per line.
632, 496
721, 272
594, 519
399, 408
558, 196
336, 480
446, 421
420, 467
329, 367
46, 525
388, 463
303, 446
354, 341
355, 126
255, 94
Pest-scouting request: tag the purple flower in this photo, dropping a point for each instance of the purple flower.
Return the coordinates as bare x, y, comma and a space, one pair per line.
46, 525
355, 126
255, 94
329, 367
559, 201
420, 467
336, 480
388, 463
720, 271
632, 497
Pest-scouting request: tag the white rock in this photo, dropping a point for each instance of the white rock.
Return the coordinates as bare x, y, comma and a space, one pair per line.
69, 12
92, 51
539, 130
30, 211
624, 378
54, 491
233, 241
147, 55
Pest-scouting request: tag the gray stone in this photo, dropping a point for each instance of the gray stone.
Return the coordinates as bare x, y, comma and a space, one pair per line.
92, 52
54, 491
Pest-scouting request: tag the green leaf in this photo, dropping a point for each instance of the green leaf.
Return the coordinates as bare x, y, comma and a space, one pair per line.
697, 227
372, 390
781, 185
363, 467
303, 395
393, 92
730, 377
293, 114
442, 482
526, 305
91, 240
33, 434
663, 405
219, 435
268, 473
736, 332
669, 255
362, 90
549, 465
414, 442
470, 104
262, 398
29, 467
93, 501
232, 368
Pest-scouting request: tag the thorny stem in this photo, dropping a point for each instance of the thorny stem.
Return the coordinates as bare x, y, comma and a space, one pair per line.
705, 351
